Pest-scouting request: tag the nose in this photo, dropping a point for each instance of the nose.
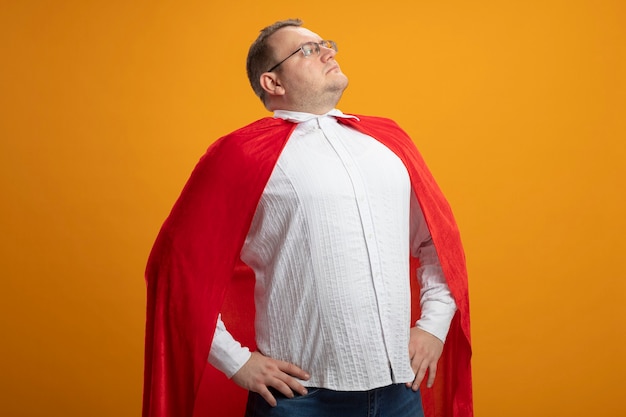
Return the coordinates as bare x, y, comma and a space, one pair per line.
327, 53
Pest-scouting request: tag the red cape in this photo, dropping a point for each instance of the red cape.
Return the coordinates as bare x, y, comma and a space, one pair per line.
194, 273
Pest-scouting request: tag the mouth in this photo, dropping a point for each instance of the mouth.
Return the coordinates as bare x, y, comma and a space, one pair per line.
333, 68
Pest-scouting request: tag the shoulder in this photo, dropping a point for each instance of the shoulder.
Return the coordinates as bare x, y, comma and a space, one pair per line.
262, 128
250, 146
375, 119
257, 134
379, 127
381, 124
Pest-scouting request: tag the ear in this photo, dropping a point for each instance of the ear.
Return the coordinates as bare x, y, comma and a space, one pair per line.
271, 84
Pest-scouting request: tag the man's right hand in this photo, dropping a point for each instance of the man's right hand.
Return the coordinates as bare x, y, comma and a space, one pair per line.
260, 373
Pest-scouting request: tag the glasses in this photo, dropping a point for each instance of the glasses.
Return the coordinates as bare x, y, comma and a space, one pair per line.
307, 50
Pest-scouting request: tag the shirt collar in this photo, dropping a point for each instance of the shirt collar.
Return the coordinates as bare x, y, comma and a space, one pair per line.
299, 117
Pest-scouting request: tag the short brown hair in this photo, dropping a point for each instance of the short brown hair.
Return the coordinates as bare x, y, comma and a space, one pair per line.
261, 56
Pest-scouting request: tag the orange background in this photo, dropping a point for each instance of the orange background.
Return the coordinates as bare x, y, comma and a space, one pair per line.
519, 107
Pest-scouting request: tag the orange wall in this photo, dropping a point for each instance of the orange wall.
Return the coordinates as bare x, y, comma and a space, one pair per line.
518, 106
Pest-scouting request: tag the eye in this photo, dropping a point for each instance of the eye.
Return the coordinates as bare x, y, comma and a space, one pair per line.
308, 48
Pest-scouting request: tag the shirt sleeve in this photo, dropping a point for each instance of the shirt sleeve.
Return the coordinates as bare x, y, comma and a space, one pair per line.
226, 353
436, 301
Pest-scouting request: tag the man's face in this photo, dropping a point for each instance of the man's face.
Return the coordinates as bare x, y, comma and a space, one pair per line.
312, 84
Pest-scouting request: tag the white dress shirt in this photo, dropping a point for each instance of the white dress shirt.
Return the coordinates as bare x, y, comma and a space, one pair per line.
329, 245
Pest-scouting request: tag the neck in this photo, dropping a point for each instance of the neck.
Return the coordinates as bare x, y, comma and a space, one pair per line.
309, 106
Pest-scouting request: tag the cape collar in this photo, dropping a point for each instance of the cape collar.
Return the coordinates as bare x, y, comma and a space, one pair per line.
299, 117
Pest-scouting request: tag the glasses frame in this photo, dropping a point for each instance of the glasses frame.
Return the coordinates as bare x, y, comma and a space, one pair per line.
316, 46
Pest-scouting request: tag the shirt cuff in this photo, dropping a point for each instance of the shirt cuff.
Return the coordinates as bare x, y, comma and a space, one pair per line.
438, 306
227, 354
436, 319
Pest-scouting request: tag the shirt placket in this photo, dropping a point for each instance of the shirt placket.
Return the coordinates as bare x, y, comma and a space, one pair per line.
332, 133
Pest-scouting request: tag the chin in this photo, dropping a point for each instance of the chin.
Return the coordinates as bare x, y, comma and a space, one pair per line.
339, 76
345, 82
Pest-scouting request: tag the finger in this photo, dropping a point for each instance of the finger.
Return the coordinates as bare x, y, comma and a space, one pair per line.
293, 370
289, 372
415, 384
419, 376
432, 372
291, 384
267, 396
282, 387
295, 386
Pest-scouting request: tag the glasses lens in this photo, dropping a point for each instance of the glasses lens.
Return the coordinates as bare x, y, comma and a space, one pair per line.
329, 45
309, 48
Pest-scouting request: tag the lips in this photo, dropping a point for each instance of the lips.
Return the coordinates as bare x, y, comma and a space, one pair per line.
333, 67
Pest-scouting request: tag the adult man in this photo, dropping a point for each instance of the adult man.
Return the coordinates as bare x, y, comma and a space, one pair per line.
326, 209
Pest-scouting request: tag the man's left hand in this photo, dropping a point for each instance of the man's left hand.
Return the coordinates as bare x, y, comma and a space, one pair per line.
424, 352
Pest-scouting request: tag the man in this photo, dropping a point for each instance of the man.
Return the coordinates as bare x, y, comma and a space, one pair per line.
326, 209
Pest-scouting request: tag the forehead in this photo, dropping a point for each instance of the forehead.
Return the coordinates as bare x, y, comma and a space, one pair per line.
291, 37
